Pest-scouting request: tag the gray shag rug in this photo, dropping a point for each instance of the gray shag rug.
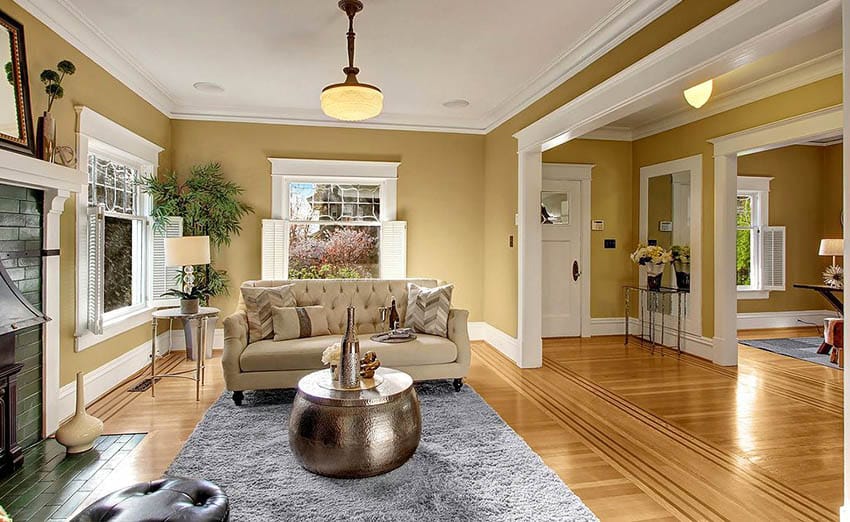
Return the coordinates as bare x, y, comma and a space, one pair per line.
804, 348
470, 465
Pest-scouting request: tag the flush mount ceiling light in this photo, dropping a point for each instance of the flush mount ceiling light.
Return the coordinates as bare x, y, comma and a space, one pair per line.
699, 94
208, 87
459, 103
351, 100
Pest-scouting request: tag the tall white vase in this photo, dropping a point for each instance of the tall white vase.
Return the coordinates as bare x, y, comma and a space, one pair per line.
79, 433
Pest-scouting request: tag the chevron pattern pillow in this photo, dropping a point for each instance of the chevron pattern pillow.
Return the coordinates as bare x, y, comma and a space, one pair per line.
259, 302
428, 309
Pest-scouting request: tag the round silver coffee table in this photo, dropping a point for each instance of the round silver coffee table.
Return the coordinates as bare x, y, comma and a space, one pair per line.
354, 434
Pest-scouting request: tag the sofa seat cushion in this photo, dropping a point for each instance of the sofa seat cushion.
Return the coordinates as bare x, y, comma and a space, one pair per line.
306, 353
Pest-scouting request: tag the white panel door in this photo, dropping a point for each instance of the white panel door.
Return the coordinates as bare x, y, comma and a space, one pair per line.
561, 267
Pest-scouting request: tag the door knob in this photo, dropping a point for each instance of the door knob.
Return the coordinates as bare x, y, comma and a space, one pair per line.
576, 272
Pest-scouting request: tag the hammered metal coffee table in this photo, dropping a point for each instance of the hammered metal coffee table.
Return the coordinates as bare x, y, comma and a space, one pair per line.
359, 433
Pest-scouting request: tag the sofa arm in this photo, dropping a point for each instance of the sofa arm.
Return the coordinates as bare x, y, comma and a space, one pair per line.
235, 341
458, 333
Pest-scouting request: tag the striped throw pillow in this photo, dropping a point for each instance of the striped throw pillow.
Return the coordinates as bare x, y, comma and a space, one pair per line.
258, 306
298, 322
428, 309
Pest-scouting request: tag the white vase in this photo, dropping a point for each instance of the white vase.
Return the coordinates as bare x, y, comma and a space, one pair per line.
79, 433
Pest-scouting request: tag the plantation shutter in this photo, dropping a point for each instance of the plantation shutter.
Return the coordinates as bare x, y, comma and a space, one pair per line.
95, 226
274, 249
393, 250
163, 277
772, 258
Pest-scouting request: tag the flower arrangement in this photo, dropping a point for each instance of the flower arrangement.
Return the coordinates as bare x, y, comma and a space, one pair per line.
332, 354
680, 253
4, 517
651, 255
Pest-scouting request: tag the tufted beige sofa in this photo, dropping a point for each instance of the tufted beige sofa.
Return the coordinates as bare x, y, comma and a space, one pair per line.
269, 364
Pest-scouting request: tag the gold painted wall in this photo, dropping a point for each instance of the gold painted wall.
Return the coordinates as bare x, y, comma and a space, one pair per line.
94, 87
500, 164
796, 200
439, 191
692, 139
611, 200
833, 181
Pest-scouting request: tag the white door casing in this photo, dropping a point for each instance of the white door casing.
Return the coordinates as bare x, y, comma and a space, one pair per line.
561, 250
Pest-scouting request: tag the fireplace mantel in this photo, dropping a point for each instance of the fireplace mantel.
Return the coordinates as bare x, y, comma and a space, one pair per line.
58, 183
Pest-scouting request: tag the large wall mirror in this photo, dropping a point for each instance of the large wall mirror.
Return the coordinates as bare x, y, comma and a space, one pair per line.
670, 216
16, 131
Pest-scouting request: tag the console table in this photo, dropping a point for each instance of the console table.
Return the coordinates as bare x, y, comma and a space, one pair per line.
829, 293
652, 304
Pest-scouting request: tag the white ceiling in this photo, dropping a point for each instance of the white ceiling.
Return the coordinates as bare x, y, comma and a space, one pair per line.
806, 59
273, 57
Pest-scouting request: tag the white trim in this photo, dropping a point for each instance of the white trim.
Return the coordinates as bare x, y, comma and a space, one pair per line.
509, 346
102, 379
754, 183
693, 165
751, 28
805, 127
608, 326
113, 328
691, 343
610, 133
750, 295
177, 339
626, 19
95, 126
791, 319
583, 173
476, 330
530, 252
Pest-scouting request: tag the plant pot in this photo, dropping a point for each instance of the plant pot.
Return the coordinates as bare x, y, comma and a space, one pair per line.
190, 333
683, 275
79, 433
654, 274
45, 137
190, 306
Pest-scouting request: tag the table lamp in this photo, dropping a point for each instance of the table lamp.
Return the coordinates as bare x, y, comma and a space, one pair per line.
186, 252
834, 275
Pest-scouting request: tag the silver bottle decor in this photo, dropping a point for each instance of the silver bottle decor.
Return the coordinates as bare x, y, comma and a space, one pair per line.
349, 359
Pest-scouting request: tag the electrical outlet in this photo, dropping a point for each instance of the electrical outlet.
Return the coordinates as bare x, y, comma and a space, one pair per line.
610, 243
511, 241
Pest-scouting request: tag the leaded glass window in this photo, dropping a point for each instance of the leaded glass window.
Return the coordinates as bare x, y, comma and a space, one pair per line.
112, 185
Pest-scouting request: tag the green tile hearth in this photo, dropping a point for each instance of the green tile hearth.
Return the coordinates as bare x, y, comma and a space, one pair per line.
51, 485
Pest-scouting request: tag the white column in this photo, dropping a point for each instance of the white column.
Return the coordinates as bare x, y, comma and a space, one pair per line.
725, 350
845, 15
530, 309
54, 204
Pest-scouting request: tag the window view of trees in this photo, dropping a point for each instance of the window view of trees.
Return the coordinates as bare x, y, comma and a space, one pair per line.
744, 240
335, 231
117, 263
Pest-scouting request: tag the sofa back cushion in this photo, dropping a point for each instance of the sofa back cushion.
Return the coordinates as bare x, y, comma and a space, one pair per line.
366, 295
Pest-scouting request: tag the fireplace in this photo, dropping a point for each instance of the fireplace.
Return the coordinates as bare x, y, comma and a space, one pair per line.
17, 314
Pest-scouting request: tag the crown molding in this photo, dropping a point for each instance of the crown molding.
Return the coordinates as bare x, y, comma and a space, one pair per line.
67, 21
629, 17
802, 74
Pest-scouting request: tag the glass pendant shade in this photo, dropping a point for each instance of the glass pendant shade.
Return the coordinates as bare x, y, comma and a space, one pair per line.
352, 101
699, 94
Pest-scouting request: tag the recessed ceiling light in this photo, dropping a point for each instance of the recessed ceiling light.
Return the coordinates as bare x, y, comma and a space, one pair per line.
208, 87
459, 103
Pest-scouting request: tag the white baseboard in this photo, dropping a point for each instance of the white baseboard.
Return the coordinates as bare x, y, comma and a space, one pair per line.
692, 344
607, 326
481, 331
102, 379
476, 330
178, 339
759, 320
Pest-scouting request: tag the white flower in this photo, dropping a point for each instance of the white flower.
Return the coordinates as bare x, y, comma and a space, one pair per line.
331, 354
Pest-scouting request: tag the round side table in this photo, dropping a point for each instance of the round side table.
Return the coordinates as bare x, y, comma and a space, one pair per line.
200, 318
358, 433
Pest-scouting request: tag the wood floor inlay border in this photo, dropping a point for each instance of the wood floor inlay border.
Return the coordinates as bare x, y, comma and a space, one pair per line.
691, 478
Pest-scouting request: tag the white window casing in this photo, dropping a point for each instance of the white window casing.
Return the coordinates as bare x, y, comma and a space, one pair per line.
285, 171
767, 269
98, 135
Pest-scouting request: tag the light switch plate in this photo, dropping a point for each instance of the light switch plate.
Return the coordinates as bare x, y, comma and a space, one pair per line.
597, 224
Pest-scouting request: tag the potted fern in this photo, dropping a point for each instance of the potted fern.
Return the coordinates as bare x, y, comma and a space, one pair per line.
210, 205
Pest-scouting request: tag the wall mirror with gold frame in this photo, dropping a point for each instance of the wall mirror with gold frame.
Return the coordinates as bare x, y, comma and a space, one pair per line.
16, 131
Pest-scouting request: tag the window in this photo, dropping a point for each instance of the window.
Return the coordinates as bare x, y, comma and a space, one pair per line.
334, 219
120, 259
760, 248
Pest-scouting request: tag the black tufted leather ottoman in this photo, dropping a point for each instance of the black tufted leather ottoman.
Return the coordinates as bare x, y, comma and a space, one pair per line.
171, 499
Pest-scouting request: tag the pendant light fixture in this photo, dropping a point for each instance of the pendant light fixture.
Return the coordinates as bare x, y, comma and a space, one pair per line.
351, 100
699, 94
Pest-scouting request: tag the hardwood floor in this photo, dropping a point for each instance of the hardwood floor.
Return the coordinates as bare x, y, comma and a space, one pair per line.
636, 436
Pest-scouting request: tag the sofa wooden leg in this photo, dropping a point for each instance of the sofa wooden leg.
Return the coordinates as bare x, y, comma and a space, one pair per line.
458, 384
237, 397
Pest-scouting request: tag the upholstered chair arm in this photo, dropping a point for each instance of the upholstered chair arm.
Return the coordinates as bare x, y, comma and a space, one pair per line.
235, 341
458, 332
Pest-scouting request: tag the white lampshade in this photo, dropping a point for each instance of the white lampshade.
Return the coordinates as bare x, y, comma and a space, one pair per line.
831, 247
352, 101
699, 94
187, 250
